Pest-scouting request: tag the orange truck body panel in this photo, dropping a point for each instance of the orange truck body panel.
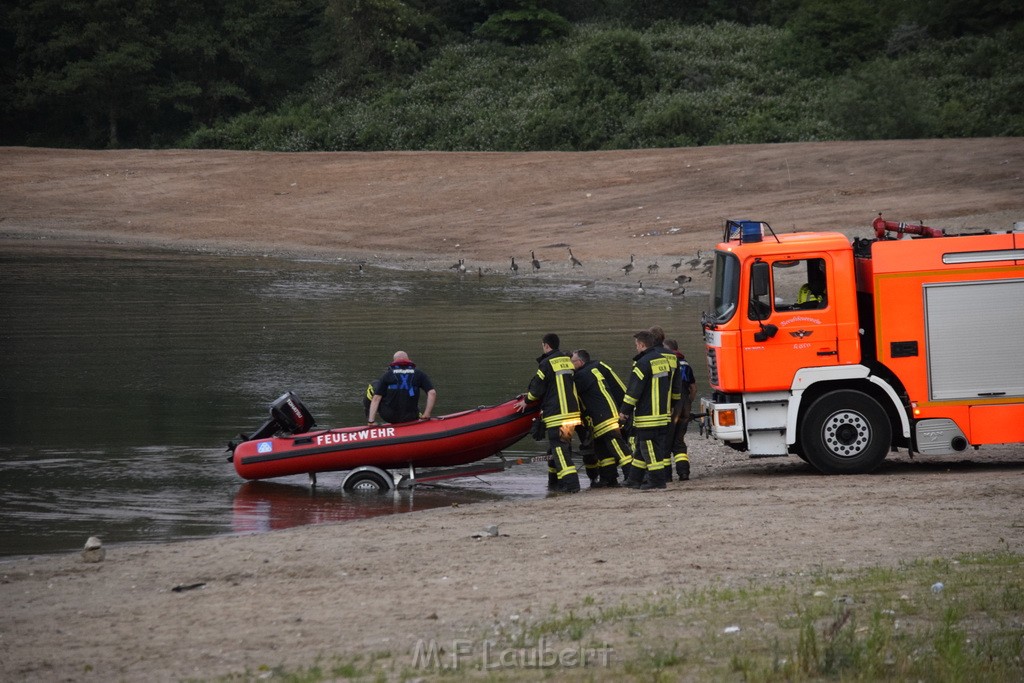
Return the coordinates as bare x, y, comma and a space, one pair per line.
932, 328
898, 276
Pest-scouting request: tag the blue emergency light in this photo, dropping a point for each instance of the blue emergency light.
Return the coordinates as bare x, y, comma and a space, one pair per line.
745, 231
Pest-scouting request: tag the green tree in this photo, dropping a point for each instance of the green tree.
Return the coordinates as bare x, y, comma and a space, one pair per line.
951, 18
883, 100
522, 22
367, 38
830, 36
88, 59
106, 72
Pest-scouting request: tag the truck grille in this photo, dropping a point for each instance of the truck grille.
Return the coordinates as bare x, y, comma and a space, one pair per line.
712, 367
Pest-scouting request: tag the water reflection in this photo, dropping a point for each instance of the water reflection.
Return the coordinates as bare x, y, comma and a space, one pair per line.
123, 375
270, 505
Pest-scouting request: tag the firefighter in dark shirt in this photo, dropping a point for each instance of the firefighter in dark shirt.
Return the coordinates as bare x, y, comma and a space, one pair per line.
552, 385
398, 392
601, 392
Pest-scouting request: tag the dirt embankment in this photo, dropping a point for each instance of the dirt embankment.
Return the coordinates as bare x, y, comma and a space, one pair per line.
425, 210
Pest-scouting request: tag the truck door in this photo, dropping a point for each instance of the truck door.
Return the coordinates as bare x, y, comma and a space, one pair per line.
790, 322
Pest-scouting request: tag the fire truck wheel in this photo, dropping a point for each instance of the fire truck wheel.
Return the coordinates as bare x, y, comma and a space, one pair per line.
845, 432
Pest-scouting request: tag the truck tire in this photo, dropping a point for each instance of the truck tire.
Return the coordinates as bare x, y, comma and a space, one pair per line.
845, 432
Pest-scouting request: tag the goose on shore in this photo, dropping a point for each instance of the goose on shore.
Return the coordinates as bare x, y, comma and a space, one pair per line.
573, 261
535, 262
628, 268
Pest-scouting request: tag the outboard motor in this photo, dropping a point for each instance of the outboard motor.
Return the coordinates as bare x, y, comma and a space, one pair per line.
287, 414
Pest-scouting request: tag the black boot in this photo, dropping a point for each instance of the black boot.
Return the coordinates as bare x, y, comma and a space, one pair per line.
655, 480
625, 472
635, 479
683, 470
609, 476
570, 483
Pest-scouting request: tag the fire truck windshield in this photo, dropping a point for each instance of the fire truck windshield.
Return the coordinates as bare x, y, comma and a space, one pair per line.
725, 295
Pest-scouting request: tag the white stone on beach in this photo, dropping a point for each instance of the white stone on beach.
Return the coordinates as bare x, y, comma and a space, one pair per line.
94, 550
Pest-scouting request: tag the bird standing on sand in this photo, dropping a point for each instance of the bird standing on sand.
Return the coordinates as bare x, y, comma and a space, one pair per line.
573, 261
514, 267
683, 279
640, 289
694, 262
628, 268
675, 266
535, 262
652, 268
460, 266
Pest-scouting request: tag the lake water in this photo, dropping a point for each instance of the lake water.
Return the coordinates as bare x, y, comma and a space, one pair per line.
123, 374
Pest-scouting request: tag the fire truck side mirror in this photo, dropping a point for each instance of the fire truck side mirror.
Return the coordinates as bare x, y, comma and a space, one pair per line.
767, 332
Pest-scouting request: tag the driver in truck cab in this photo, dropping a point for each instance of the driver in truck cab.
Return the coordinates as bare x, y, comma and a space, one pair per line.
812, 293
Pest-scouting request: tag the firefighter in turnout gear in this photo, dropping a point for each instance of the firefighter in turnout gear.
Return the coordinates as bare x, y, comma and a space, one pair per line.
553, 386
648, 401
673, 361
601, 392
681, 411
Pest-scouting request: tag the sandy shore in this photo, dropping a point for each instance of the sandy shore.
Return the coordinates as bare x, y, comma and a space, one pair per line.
380, 585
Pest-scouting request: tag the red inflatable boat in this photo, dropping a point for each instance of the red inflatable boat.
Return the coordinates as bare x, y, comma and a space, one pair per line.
285, 445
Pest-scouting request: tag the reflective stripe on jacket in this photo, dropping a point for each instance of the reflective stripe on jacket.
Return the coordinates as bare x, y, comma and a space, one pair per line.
554, 388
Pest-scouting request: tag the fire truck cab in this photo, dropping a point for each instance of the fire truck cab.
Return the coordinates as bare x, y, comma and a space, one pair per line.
840, 352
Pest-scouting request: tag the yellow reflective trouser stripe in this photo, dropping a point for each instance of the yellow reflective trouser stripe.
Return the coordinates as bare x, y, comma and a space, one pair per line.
603, 428
655, 463
606, 462
680, 457
624, 457
564, 468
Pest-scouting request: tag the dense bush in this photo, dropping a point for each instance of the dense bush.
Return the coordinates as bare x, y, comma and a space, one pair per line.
506, 74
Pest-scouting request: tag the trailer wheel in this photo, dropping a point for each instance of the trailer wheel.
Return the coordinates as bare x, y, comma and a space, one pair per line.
367, 480
845, 432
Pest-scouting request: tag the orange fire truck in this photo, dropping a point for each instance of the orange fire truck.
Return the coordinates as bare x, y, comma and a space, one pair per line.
841, 352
